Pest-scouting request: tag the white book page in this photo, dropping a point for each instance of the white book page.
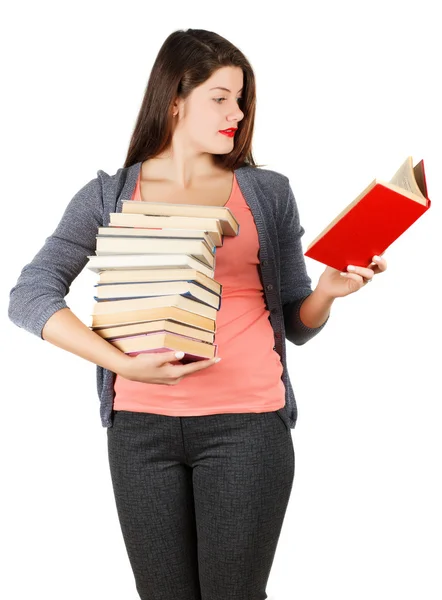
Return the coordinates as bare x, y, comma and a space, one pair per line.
405, 179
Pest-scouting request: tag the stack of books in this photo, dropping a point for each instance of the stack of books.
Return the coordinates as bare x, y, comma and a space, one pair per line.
156, 290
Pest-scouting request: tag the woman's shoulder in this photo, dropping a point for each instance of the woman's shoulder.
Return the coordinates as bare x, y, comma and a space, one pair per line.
268, 179
113, 183
121, 174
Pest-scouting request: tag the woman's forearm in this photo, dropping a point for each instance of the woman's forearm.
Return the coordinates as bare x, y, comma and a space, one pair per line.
315, 309
65, 330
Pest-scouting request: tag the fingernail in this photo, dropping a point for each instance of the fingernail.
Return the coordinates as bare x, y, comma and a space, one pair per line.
351, 268
179, 354
343, 274
376, 258
217, 359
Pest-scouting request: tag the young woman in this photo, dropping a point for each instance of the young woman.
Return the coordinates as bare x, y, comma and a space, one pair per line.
201, 455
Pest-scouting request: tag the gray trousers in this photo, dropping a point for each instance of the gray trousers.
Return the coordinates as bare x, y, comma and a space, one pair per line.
201, 501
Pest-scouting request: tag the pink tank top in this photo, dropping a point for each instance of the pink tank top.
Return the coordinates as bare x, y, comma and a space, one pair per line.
248, 378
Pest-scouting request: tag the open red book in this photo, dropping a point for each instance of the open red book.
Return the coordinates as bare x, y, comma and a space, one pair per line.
374, 220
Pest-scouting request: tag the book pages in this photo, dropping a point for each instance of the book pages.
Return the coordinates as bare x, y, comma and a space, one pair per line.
405, 178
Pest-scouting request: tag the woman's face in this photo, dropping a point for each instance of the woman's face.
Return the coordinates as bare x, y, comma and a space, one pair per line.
208, 109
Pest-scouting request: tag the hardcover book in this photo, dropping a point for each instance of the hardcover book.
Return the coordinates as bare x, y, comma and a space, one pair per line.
374, 220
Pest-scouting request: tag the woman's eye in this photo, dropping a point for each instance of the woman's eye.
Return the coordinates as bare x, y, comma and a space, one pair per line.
216, 99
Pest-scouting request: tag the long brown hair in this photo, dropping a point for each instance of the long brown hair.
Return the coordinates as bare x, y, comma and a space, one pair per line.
187, 59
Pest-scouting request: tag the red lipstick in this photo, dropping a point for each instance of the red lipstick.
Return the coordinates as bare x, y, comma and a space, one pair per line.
229, 132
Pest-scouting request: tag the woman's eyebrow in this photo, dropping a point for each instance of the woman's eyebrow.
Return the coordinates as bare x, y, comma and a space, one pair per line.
222, 88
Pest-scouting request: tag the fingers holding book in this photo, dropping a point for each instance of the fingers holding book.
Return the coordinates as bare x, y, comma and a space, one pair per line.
334, 283
161, 367
378, 265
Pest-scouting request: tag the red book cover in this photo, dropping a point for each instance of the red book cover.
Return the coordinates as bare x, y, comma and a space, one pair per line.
187, 358
370, 224
176, 343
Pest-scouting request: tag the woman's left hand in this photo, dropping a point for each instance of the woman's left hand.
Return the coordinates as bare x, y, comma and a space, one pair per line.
335, 284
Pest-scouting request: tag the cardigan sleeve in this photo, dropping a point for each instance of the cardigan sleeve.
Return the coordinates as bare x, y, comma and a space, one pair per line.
45, 281
295, 284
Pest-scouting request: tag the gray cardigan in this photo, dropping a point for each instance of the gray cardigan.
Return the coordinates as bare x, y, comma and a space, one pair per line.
45, 281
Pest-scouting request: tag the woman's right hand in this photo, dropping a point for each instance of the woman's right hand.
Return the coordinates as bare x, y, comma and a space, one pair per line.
161, 367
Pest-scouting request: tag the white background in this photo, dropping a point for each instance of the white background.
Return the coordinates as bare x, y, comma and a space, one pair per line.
346, 91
